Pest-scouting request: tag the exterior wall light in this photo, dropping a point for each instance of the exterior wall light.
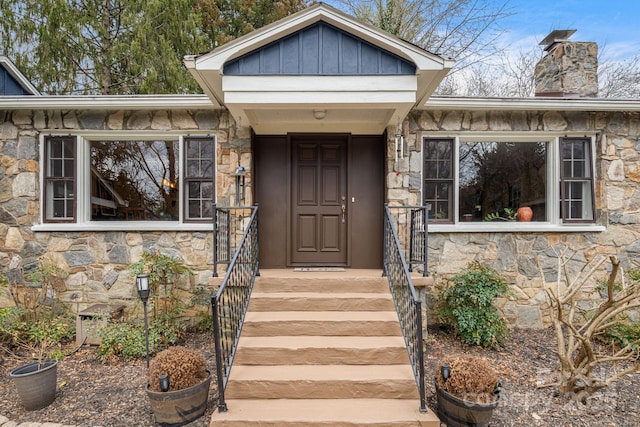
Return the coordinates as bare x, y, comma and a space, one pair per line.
240, 174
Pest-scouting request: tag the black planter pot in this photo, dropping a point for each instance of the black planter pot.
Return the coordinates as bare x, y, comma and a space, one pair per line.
36, 383
456, 412
180, 407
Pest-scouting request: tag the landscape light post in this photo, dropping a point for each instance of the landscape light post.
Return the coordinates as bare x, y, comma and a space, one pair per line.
142, 283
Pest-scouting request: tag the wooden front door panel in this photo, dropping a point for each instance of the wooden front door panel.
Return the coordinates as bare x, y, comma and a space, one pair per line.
319, 192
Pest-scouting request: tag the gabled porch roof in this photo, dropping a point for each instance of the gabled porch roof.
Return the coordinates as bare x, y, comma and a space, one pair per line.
18, 85
356, 103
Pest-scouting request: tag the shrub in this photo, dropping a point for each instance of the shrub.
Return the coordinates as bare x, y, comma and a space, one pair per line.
41, 338
37, 296
471, 378
126, 340
468, 306
579, 332
183, 366
623, 334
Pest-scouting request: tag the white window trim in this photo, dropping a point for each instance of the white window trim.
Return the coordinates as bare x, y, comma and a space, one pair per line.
83, 180
554, 224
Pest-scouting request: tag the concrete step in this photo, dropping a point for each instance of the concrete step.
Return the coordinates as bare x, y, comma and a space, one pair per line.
321, 350
319, 323
324, 412
322, 382
313, 301
302, 282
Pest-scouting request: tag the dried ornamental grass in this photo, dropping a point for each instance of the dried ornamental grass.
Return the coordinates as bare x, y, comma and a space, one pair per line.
472, 378
183, 366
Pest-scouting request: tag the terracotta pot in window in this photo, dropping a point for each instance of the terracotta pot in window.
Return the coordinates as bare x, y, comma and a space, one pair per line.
524, 214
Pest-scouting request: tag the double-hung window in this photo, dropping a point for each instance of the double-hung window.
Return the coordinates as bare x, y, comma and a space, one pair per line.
199, 183
98, 180
60, 179
486, 180
576, 180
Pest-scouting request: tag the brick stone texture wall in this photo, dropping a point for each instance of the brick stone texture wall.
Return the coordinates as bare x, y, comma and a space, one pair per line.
98, 262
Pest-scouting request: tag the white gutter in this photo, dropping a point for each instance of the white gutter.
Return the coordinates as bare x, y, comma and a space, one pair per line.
106, 102
538, 103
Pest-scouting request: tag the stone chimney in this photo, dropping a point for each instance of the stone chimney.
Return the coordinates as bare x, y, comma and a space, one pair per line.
569, 69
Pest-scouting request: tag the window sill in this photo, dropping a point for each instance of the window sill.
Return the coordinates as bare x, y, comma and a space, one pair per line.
124, 226
515, 227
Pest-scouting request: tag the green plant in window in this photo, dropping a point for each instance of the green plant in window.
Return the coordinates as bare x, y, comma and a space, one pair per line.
507, 214
467, 305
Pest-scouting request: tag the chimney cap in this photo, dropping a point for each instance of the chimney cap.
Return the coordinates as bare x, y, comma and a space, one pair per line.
556, 36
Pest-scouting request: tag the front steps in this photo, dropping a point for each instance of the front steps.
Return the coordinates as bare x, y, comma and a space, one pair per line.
322, 349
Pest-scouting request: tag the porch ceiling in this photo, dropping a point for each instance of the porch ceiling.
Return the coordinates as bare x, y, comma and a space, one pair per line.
275, 104
356, 104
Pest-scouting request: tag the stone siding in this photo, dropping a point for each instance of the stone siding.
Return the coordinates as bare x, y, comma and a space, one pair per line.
98, 262
516, 254
569, 69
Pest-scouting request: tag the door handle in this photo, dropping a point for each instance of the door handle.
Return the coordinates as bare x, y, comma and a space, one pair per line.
343, 208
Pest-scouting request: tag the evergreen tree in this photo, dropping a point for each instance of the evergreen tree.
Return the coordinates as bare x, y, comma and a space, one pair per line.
123, 46
225, 20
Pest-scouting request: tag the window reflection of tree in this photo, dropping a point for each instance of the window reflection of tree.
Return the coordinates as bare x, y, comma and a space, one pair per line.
498, 175
143, 173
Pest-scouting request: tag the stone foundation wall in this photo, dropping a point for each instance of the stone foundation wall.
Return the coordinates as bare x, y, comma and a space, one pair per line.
98, 262
516, 255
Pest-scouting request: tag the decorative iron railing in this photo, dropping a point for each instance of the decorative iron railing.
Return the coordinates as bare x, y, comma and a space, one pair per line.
229, 224
229, 305
411, 224
405, 297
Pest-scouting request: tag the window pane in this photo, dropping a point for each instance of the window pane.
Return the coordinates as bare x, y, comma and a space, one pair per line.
194, 190
193, 149
59, 209
207, 190
70, 209
496, 178
55, 148
207, 209
441, 210
68, 168
134, 180
193, 168
194, 209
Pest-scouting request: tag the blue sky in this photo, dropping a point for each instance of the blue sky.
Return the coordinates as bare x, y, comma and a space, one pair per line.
613, 24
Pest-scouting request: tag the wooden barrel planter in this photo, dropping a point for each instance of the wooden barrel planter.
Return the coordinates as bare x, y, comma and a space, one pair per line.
455, 412
36, 383
180, 407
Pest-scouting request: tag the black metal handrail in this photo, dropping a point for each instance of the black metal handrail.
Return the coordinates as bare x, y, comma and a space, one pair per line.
405, 298
228, 229
411, 224
230, 303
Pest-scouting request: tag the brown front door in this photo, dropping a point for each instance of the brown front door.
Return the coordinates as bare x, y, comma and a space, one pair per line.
300, 180
319, 200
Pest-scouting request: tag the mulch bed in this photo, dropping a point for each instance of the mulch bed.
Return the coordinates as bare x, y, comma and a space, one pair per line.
92, 393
